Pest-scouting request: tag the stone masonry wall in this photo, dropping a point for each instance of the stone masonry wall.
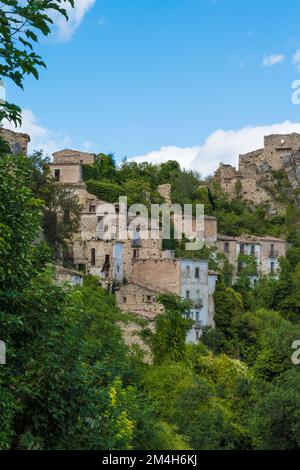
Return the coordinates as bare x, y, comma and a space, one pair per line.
73, 156
255, 168
17, 141
158, 274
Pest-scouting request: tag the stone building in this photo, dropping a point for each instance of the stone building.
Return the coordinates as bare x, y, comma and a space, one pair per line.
69, 276
110, 259
265, 250
17, 141
209, 229
187, 278
255, 169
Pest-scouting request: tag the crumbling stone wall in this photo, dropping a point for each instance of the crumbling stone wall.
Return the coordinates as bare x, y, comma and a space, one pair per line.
159, 275
255, 169
17, 141
165, 191
73, 156
138, 299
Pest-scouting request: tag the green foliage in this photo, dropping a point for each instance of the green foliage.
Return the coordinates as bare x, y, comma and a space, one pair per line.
275, 419
20, 218
20, 26
167, 342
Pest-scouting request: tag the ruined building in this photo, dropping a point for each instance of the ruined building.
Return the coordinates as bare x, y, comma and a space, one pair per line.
266, 251
112, 259
190, 279
255, 169
136, 267
17, 141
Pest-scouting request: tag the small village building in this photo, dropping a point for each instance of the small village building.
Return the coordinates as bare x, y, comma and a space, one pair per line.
266, 251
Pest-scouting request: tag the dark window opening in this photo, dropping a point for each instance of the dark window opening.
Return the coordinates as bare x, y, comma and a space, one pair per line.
242, 249
136, 254
226, 247
93, 256
272, 267
197, 273
57, 175
92, 207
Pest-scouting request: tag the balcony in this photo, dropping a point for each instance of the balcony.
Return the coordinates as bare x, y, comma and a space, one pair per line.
273, 254
136, 243
198, 303
198, 325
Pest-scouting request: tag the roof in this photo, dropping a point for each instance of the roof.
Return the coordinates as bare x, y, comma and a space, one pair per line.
245, 238
73, 272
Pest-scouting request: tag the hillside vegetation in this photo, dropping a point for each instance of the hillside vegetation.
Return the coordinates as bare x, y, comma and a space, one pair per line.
70, 381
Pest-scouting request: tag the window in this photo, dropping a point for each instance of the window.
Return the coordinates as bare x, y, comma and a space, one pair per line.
93, 256
272, 249
226, 247
57, 175
197, 336
136, 254
272, 267
242, 248
92, 207
197, 316
149, 298
187, 294
197, 273
124, 300
252, 250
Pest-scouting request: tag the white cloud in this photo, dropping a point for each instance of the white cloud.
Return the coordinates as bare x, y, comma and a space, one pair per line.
66, 29
41, 137
272, 59
296, 60
220, 146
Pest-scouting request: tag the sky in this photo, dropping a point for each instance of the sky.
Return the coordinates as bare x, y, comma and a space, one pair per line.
199, 81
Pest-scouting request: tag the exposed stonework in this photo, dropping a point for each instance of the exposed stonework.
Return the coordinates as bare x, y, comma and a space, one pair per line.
255, 169
73, 156
17, 141
189, 279
138, 299
165, 191
70, 276
265, 250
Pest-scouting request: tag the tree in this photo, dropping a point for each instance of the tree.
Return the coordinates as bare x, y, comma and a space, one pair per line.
20, 219
168, 341
275, 419
61, 220
20, 25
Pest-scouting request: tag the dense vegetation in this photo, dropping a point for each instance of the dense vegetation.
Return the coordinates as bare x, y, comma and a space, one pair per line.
70, 382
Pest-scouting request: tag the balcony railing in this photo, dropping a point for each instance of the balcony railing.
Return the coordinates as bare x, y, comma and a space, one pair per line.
136, 243
198, 303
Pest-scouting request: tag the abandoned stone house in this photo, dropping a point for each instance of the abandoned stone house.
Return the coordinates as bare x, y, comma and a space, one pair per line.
265, 250
255, 169
70, 276
17, 141
187, 278
110, 259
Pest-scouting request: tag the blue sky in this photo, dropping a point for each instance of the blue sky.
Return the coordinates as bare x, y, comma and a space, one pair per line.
159, 79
